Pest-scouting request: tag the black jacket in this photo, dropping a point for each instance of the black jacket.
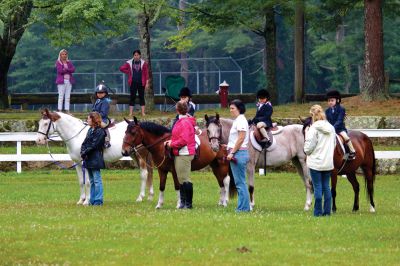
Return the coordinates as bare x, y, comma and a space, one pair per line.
264, 115
92, 148
336, 116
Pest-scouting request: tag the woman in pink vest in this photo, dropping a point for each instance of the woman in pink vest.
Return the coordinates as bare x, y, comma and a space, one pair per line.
64, 80
138, 79
183, 146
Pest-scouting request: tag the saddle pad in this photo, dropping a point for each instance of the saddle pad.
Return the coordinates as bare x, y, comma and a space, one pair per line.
257, 146
277, 130
197, 139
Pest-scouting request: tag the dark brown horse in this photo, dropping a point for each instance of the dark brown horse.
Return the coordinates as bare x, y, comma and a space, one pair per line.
152, 136
365, 159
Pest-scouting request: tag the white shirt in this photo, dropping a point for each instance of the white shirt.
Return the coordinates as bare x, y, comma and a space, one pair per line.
239, 124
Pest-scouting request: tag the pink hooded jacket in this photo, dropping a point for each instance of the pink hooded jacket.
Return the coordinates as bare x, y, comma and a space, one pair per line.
183, 135
127, 69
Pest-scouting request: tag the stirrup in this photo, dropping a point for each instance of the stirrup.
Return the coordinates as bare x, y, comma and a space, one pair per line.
352, 155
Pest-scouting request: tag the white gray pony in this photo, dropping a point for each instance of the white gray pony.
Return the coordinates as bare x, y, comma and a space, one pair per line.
73, 132
288, 144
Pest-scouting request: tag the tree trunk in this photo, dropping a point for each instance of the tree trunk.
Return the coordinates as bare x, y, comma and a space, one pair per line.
181, 26
374, 76
299, 52
144, 44
270, 48
13, 28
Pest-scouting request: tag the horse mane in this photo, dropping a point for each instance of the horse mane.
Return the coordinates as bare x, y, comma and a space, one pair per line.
154, 128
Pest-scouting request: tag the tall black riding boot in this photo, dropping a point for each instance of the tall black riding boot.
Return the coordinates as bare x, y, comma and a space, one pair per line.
183, 196
189, 194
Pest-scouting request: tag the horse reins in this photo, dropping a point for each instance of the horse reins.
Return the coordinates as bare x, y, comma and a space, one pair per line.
135, 149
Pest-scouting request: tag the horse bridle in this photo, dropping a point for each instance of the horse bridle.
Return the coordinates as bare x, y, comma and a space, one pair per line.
54, 128
136, 148
220, 133
48, 130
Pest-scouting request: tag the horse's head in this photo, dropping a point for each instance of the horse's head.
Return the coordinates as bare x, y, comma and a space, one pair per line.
133, 137
307, 122
46, 126
214, 131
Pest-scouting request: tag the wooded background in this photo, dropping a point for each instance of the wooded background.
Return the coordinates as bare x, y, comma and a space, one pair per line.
289, 47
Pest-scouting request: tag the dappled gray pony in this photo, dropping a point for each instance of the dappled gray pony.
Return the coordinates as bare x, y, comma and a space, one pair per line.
288, 144
73, 131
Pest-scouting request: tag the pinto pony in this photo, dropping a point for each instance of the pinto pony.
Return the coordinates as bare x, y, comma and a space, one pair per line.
73, 131
365, 159
152, 137
288, 146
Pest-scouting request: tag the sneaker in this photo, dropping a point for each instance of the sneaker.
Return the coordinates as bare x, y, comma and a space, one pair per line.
107, 145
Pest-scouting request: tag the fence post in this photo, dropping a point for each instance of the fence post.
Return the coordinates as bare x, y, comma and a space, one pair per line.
19, 163
197, 81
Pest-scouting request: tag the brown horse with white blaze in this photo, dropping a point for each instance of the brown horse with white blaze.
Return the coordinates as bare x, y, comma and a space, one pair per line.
152, 136
365, 159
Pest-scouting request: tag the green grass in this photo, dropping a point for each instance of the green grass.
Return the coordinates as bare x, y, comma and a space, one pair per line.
40, 224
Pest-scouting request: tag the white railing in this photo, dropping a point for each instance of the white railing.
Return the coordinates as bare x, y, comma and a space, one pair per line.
18, 137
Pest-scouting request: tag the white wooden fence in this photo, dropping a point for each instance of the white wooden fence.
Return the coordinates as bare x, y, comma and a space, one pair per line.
18, 137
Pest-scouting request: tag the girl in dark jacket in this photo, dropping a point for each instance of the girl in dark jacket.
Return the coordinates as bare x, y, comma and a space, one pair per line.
92, 156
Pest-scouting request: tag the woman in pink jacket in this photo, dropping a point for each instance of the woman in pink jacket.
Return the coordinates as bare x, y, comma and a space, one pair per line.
64, 80
138, 79
183, 146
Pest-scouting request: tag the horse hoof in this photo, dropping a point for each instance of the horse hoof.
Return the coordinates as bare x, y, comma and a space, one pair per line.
158, 206
80, 201
139, 199
306, 208
150, 198
372, 209
85, 203
225, 204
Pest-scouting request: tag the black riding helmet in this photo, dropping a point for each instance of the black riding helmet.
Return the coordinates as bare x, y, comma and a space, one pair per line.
334, 94
102, 88
263, 94
185, 91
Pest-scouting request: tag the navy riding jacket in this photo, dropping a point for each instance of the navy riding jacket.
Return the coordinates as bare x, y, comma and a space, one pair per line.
102, 106
336, 116
264, 114
92, 148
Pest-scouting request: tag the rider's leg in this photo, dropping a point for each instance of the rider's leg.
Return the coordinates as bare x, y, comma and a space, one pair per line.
261, 126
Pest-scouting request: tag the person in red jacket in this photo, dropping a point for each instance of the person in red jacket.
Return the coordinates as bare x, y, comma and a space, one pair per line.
138, 79
183, 146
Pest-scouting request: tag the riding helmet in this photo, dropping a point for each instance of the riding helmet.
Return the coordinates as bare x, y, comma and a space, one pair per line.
263, 94
334, 94
102, 88
185, 92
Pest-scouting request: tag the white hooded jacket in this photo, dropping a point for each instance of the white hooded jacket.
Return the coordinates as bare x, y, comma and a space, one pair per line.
320, 141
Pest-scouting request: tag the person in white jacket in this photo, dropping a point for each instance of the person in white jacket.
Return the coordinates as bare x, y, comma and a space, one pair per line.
320, 141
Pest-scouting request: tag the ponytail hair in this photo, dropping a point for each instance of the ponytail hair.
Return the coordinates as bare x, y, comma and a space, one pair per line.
317, 113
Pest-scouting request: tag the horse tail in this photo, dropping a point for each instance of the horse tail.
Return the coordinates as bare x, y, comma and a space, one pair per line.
232, 186
370, 194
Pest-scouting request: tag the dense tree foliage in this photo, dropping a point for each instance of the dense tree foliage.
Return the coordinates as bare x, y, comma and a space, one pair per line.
101, 29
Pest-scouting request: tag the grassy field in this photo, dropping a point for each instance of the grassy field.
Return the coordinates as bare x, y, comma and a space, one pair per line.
40, 224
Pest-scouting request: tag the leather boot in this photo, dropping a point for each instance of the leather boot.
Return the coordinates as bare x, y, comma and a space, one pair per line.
189, 195
183, 196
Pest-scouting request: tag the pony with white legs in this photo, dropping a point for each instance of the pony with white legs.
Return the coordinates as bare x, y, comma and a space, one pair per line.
288, 144
73, 132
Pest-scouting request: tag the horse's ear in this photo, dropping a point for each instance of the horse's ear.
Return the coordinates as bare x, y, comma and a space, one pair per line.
126, 120
217, 116
206, 118
135, 120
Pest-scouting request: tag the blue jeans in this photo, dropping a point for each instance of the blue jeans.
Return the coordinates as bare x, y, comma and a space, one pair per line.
321, 181
96, 187
239, 175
